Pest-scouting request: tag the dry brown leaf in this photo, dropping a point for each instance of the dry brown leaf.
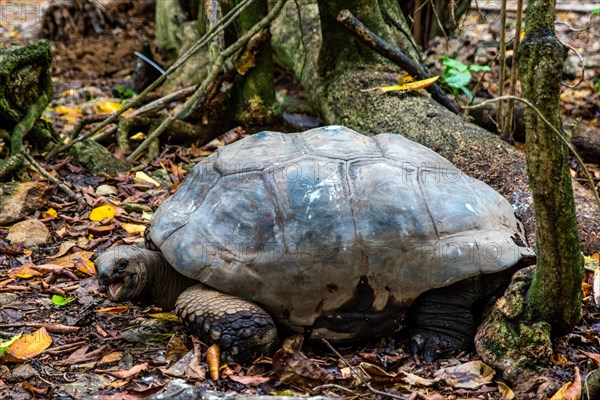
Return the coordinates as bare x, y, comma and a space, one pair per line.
34, 390
469, 375
111, 357
593, 356
81, 356
251, 380
113, 310
570, 390
124, 373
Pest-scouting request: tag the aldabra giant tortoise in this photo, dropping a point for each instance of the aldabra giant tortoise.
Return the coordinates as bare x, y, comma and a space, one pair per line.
329, 233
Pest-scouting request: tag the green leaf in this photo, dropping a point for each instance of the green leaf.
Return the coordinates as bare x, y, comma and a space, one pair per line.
5, 344
61, 301
596, 11
454, 64
458, 79
477, 68
467, 92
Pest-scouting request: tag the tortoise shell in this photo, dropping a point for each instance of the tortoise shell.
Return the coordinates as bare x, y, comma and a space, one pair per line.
331, 231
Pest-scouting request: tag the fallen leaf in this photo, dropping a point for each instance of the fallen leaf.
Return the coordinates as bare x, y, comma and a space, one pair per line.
416, 85
85, 266
250, 380
28, 346
469, 375
111, 357
165, 316
107, 107
24, 272
505, 391
113, 310
102, 212
594, 356
134, 229
143, 177
50, 213
61, 301
124, 373
138, 136
34, 390
213, 356
81, 356
570, 390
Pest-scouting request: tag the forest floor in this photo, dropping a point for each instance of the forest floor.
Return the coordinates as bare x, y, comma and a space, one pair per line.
77, 344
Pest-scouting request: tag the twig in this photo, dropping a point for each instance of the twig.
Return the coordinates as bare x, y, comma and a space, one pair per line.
501, 116
204, 88
203, 41
52, 179
556, 131
582, 67
513, 69
360, 378
582, 8
393, 54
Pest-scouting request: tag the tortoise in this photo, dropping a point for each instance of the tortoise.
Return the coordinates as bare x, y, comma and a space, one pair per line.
329, 233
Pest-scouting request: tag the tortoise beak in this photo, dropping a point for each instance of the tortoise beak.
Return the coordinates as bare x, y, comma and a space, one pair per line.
115, 290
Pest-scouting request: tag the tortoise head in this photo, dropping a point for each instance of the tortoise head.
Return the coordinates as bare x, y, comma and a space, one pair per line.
122, 272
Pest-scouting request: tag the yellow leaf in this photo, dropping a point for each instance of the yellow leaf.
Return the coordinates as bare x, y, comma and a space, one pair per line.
85, 266
570, 390
213, 355
417, 85
50, 213
99, 213
138, 136
107, 107
165, 316
134, 229
28, 346
142, 177
113, 310
24, 272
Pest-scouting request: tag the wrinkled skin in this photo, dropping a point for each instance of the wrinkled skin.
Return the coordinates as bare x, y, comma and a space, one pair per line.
242, 329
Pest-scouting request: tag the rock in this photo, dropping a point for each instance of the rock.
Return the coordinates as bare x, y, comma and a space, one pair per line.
106, 190
30, 234
97, 159
17, 200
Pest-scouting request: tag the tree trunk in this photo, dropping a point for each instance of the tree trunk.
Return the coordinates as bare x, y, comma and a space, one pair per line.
555, 293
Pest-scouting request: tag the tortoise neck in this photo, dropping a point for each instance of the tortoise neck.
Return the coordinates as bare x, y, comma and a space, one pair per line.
164, 284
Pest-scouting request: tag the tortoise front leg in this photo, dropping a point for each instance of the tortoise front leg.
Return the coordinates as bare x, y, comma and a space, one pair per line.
243, 330
441, 320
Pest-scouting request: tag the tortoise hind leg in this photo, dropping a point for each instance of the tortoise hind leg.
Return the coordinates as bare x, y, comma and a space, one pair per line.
441, 320
243, 330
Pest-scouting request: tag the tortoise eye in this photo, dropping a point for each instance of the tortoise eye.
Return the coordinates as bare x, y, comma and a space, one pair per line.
122, 265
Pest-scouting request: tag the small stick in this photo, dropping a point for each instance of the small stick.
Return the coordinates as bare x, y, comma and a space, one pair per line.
393, 54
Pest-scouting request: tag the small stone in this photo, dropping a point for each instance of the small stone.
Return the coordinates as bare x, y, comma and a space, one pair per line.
17, 200
106, 190
29, 234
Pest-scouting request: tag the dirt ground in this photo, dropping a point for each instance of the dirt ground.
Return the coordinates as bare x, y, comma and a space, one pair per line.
87, 347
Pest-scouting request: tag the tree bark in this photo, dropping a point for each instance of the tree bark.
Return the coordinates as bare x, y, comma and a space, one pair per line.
555, 292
